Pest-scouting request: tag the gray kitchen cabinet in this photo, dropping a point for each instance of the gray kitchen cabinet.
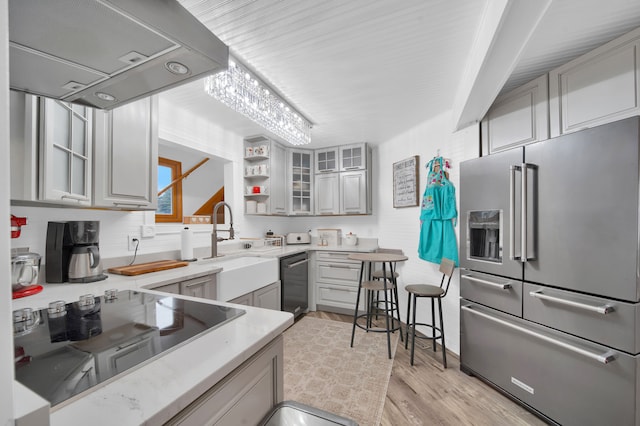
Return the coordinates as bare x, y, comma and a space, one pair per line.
203, 287
336, 281
268, 297
300, 182
353, 157
126, 156
265, 176
596, 88
65, 149
243, 397
355, 195
518, 117
327, 194
326, 160
349, 191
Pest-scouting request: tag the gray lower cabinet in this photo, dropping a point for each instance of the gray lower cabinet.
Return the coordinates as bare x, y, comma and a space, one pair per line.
570, 380
268, 297
336, 282
244, 397
203, 287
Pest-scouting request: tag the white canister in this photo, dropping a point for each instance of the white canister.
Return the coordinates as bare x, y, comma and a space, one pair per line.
351, 239
251, 206
262, 208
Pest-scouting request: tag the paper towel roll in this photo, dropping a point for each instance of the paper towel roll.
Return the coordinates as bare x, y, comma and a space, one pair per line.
186, 248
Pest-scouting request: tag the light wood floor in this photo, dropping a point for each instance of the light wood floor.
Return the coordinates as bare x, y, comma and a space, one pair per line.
428, 394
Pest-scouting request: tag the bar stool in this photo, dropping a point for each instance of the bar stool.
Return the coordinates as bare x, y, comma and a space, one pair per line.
433, 292
391, 274
391, 308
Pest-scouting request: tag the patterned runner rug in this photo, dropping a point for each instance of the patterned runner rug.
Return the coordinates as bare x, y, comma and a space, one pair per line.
321, 370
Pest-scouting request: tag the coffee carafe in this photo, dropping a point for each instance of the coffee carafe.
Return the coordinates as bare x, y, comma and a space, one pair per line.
84, 263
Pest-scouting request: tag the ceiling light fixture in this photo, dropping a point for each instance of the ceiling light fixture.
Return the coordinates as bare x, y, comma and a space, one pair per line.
242, 91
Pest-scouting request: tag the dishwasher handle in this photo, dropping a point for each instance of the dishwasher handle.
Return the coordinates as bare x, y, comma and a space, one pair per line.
293, 265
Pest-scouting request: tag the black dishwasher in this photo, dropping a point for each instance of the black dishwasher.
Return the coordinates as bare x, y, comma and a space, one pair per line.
294, 276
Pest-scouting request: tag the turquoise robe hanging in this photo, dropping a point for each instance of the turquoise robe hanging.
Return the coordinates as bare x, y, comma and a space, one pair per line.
438, 217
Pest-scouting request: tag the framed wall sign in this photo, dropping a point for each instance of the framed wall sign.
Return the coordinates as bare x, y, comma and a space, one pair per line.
406, 182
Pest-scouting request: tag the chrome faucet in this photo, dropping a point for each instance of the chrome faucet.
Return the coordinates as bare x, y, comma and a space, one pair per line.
214, 233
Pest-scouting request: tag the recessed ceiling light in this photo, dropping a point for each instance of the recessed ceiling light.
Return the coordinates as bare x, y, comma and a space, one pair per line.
105, 96
176, 68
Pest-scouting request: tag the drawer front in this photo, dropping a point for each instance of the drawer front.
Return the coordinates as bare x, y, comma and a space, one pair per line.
493, 291
562, 376
338, 273
336, 256
601, 320
343, 297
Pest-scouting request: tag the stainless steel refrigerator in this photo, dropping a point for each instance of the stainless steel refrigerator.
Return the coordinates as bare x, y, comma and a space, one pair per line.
549, 279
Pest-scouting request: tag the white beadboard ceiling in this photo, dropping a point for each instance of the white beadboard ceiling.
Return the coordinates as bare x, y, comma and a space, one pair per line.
367, 70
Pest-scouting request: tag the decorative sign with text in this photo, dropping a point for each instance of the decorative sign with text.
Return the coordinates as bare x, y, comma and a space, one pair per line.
406, 182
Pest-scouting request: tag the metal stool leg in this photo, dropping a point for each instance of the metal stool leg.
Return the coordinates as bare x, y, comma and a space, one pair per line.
413, 329
355, 313
444, 347
407, 326
386, 317
433, 325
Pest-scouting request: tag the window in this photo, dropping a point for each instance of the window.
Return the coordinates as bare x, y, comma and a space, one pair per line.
170, 201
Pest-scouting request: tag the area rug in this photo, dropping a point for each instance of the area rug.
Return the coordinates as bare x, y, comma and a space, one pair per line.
321, 370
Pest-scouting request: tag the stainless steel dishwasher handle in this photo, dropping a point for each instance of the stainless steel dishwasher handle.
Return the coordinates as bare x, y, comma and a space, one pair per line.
293, 265
602, 309
505, 286
605, 358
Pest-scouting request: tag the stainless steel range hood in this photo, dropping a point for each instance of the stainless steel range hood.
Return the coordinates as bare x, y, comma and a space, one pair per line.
88, 51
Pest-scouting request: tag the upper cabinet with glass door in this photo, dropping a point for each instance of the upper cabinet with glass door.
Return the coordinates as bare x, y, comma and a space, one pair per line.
65, 144
327, 160
300, 186
353, 157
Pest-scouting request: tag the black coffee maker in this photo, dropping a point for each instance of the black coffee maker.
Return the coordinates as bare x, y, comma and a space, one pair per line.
72, 253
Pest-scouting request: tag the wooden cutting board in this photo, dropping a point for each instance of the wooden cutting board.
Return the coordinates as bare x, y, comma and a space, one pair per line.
144, 268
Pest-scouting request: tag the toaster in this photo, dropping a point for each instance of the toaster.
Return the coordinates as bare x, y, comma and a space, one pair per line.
298, 238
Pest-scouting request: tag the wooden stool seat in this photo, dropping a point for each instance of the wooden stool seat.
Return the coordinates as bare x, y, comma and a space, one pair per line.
379, 274
424, 290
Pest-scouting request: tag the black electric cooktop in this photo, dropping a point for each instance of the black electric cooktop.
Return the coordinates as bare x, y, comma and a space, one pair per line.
68, 348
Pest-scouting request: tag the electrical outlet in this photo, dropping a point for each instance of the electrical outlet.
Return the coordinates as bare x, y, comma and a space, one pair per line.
133, 241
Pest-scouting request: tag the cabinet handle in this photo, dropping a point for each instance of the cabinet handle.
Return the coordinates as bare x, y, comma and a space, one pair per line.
352, 168
77, 198
605, 358
505, 286
342, 267
195, 284
120, 203
603, 309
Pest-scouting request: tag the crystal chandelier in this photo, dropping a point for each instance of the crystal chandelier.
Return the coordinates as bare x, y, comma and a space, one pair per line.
242, 91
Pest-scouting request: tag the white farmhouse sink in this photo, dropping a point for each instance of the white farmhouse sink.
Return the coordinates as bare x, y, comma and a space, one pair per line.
242, 275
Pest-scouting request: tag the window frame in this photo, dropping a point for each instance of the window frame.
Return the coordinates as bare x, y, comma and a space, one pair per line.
176, 198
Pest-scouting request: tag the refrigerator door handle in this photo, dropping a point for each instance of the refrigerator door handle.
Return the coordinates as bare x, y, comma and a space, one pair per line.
523, 214
501, 286
604, 358
603, 309
512, 212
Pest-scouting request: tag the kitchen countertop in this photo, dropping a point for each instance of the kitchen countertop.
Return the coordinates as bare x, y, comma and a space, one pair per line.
159, 389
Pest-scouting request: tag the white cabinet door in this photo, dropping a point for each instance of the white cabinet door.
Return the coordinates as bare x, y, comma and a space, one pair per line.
327, 194
126, 156
518, 117
353, 192
268, 297
353, 157
300, 183
597, 88
278, 180
23, 139
65, 147
173, 288
245, 299
327, 160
